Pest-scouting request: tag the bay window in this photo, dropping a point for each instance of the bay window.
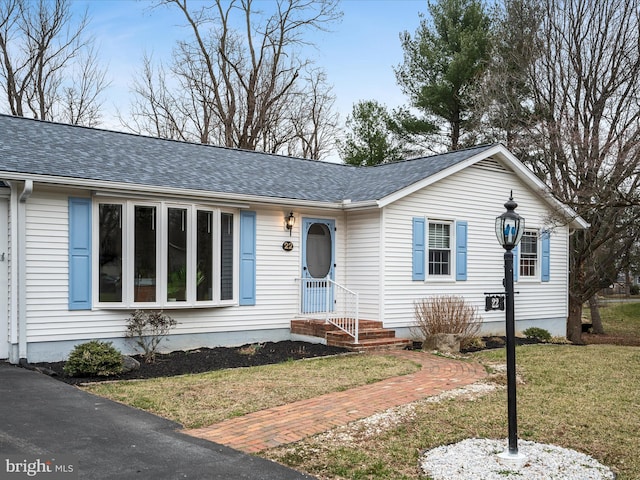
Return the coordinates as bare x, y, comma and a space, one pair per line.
144, 258
160, 254
110, 261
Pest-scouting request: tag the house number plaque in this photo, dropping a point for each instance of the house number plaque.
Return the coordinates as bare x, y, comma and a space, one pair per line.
287, 246
493, 302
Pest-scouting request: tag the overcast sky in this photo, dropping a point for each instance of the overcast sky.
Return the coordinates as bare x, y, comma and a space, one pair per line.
358, 55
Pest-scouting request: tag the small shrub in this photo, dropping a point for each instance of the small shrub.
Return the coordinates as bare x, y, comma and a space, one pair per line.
94, 358
147, 330
250, 350
473, 343
446, 314
538, 333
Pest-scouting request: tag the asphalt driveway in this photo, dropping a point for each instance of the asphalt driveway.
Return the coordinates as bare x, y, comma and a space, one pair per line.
42, 417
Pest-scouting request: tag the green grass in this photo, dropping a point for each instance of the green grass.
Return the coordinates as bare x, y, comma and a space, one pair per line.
204, 399
586, 398
621, 319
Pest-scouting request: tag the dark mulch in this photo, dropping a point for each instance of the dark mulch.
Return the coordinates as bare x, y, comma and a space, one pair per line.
251, 355
205, 360
495, 341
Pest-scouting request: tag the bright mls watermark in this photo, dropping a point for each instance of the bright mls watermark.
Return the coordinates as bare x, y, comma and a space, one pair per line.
59, 467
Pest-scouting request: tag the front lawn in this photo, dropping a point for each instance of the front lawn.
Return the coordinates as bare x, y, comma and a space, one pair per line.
586, 398
206, 398
621, 318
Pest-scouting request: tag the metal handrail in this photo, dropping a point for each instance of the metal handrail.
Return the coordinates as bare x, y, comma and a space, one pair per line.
336, 304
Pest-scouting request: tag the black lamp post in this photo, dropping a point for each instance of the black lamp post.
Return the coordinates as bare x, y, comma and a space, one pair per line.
509, 230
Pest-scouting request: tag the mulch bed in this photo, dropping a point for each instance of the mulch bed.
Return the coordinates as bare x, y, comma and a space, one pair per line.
205, 360
251, 355
496, 341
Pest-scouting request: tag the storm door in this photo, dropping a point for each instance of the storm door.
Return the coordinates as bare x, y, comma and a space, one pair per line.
318, 265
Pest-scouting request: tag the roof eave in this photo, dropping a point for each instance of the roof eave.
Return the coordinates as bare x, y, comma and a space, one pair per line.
106, 188
532, 181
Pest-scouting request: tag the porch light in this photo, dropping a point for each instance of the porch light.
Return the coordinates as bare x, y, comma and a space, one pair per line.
289, 222
509, 226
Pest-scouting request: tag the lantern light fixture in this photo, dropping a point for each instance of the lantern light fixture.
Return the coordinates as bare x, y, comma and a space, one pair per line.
509, 226
289, 222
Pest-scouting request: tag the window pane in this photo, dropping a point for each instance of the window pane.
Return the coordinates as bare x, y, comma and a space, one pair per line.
226, 257
529, 254
110, 253
177, 255
439, 251
438, 262
145, 254
439, 235
529, 243
204, 276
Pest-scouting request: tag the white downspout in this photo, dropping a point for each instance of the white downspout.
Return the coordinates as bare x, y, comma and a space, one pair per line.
21, 255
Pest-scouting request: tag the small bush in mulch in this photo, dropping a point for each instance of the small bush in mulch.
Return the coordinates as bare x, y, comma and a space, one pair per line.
94, 358
204, 360
539, 333
496, 342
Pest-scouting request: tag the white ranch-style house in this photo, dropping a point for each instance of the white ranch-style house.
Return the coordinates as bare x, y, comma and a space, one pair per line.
235, 244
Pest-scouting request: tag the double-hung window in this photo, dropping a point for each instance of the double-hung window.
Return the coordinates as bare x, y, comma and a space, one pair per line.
529, 262
162, 254
439, 249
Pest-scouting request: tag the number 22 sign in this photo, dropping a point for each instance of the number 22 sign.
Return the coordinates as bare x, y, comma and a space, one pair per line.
494, 302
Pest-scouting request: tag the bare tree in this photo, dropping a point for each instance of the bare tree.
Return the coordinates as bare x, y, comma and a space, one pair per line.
240, 81
313, 118
49, 66
585, 130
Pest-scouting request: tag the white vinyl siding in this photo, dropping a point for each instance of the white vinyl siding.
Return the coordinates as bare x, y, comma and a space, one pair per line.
5, 274
364, 261
475, 195
277, 290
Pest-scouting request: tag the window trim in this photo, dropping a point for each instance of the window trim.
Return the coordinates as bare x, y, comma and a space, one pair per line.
538, 258
128, 249
451, 276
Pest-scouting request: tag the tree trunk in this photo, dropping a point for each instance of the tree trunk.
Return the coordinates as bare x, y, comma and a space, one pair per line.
574, 322
627, 284
596, 320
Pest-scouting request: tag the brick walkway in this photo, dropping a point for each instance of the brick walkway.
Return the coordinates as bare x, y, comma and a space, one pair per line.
292, 422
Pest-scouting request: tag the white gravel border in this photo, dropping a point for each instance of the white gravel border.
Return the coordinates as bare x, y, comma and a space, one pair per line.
477, 459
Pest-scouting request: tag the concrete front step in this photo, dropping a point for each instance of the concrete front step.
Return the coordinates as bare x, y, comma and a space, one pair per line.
372, 335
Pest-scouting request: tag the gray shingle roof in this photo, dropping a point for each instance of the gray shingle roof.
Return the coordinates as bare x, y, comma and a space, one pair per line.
51, 149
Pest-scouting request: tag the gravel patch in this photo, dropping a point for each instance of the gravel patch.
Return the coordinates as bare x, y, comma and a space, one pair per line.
476, 459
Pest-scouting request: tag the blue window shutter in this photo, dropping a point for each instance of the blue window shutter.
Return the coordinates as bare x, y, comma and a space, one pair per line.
516, 262
461, 250
79, 253
247, 258
419, 236
545, 264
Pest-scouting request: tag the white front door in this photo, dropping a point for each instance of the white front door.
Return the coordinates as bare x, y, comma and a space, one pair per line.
4, 283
